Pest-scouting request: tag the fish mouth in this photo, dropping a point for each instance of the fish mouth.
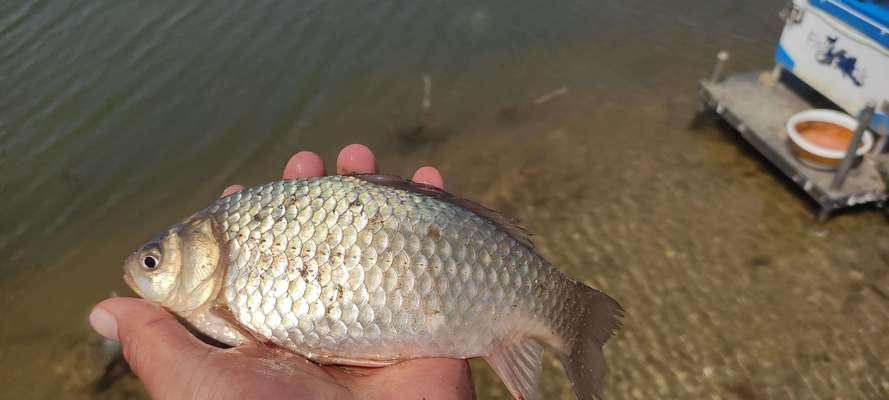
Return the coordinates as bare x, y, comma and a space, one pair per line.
132, 284
128, 275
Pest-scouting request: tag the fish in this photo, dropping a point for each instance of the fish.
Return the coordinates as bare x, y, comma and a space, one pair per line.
370, 270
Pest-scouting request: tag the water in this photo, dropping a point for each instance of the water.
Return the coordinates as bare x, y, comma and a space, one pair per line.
118, 118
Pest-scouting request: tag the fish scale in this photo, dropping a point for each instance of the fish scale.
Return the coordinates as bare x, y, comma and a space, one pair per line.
372, 269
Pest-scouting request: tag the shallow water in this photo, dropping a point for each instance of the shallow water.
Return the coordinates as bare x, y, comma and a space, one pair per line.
117, 119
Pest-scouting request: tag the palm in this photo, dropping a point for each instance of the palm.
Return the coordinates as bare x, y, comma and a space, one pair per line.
264, 372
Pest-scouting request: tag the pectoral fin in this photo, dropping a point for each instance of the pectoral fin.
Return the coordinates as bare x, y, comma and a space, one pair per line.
351, 362
225, 313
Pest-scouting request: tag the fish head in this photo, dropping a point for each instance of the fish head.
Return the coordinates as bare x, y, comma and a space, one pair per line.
180, 269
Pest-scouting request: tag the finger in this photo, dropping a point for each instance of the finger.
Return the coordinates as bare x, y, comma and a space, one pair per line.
232, 190
429, 176
304, 164
433, 378
356, 159
156, 346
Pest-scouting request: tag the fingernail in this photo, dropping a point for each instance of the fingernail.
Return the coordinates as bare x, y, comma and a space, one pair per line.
104, 323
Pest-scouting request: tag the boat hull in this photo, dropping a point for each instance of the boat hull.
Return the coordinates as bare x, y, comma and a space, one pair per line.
837, 56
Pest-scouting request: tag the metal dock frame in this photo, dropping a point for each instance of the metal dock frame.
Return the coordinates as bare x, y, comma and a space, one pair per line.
758, 106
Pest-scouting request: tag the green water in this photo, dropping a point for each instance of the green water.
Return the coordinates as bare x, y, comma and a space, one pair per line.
118, 118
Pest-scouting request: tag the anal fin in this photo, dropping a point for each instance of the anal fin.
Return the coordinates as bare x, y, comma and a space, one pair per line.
518, 364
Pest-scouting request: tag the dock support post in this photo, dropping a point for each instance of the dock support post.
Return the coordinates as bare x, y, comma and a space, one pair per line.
719, 70
775, 75
864, 118
881, 145
824, 214
881, 142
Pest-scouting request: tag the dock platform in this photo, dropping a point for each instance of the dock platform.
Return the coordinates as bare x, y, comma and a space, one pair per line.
758, 108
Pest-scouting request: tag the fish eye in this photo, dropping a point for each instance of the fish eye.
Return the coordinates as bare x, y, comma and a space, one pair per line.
150, 262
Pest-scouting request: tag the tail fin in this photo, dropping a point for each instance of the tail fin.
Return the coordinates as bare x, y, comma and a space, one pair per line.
598, 316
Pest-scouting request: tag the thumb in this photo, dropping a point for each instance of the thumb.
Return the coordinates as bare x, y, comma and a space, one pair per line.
162, 353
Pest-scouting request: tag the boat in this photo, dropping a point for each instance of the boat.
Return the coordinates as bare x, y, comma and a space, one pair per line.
833, 55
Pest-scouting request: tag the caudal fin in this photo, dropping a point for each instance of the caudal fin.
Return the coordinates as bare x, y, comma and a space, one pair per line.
598, 316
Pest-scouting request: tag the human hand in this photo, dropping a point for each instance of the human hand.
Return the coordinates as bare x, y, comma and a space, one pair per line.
173, 364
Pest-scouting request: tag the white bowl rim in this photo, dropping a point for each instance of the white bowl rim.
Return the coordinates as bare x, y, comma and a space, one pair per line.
831, 116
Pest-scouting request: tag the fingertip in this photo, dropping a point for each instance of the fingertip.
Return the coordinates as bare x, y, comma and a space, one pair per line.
109, 314
104, 323
305, 164
429, 176
118, 305
139, 320
160, 351
232, 190
356, 159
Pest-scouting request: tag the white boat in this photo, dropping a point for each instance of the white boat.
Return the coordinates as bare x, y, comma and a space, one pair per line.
841, 49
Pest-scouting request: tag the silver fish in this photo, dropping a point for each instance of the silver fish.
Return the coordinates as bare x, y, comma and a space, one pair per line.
370, 270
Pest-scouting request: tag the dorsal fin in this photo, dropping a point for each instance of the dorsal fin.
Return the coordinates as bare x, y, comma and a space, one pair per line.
508, 225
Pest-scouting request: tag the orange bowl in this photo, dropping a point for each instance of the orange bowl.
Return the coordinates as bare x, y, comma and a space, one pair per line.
820, 138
